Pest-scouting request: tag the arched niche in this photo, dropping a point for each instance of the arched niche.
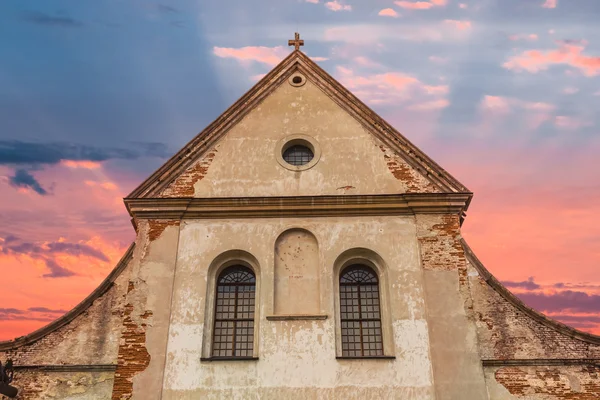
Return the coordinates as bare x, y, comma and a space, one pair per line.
297, 281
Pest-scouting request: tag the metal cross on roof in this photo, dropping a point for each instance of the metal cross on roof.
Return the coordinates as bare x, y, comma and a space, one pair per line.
296, 42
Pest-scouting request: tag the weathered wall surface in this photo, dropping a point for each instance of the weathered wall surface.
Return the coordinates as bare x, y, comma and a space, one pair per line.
457, 367
297, 359
507, 332
244, 163
141, 354
92, 338
544, 383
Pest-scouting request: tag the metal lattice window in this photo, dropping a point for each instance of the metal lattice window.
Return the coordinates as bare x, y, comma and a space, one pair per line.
298, 155
234, 313
360, 312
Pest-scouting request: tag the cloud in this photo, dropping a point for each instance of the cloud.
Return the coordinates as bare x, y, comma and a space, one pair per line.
420, 5
80, 164
463, 5
569, 53
166, 9
417, 5
430, 105
369, 34
15, 152
504, 105
40, 18
312, 1
47, 248
550, 4
266, 55
56, 271
570, 90
46, 310
460, 25
438, 60
23, 179
335, 5
568, 123
42, 314
388, 12
568, 300
529, 284
524, 36
393, 88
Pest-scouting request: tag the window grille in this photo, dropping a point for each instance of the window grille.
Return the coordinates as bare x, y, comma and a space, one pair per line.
298, 155
360, 312
234, 313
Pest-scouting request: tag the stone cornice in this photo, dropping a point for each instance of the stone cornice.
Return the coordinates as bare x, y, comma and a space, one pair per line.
300, 206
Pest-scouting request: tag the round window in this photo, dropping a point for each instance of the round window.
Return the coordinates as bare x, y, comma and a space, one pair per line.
298, 155
298, 152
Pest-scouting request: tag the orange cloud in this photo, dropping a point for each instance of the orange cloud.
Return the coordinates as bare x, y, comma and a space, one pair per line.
460, 25
388, 12
80, 164
104, 185
569, 53
335, 5
550, 4
266, 55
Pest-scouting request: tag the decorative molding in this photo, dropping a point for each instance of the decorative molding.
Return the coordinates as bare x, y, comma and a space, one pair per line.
300, 206
297, 62
69, 368
210, 359
541, 362
514, 300
296, 317
75, 312
366, 358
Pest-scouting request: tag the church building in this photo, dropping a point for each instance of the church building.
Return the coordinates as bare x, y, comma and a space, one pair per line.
300, 247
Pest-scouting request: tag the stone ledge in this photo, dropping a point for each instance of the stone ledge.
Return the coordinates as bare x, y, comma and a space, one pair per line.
541, 362
296, 317
69, 368
210, 359
366, 358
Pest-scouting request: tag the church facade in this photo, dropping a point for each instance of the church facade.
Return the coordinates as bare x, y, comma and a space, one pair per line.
301, 248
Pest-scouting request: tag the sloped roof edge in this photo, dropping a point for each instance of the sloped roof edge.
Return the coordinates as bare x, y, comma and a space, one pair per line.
332, 88
76, 311
514, 300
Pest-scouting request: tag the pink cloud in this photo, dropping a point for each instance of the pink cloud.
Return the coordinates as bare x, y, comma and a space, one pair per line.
388, 12
536, 113
80, 164
418, 5
523, 36
335, 5
366, 62
312, 1
463, 5
568, 123
393, 88
460, 25
570, 90
550, 4
430, 105
438, 60
569, 53
266, 55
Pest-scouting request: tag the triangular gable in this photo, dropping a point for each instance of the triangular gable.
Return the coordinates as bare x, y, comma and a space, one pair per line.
297, 61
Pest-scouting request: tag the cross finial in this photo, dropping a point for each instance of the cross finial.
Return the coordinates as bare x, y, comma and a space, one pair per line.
296, 42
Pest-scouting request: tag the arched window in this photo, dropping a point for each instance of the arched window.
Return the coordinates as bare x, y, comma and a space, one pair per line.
360, 312
234, 313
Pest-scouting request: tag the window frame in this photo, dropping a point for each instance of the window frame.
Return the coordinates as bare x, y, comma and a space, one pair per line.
372, 260
222, 262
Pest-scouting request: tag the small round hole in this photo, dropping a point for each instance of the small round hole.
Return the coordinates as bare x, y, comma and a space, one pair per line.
297, 80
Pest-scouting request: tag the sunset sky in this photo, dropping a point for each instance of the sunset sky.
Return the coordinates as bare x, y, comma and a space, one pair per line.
94, 96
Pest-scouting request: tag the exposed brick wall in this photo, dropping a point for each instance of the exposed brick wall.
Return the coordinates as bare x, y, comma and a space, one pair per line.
439, 239
414, 181
183, 186
506, 332
36, 385
157, 227
133, 356
546, 383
